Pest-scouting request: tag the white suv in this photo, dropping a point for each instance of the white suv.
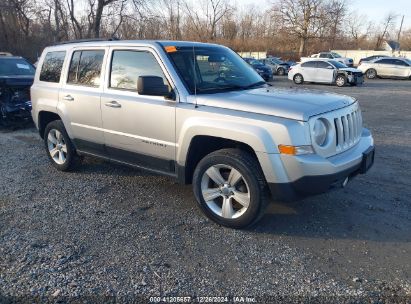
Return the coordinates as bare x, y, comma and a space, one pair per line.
201, 114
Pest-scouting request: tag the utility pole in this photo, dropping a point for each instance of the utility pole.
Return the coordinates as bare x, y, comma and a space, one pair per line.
399, 32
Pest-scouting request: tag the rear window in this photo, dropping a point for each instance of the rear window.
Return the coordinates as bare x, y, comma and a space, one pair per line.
85, 68
52, 65
15, 67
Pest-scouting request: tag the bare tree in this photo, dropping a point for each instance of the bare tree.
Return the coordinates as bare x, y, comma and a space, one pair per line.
301, 18
388, 22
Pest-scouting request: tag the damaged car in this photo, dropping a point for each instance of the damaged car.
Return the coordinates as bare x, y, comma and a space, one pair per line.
325, 71
16, 78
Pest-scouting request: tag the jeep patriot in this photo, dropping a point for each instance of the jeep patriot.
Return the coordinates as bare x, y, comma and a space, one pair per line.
199, 113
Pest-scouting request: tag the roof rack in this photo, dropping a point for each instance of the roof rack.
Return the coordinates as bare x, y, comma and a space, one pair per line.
87, 40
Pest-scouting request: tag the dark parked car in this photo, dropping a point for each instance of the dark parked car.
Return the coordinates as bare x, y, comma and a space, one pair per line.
264, 70
370, 58
16, 78
278, 66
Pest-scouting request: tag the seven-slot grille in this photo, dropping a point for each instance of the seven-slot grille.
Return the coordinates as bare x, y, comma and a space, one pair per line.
348, 128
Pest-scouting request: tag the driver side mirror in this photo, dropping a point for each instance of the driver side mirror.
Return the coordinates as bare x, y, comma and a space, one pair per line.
152, 86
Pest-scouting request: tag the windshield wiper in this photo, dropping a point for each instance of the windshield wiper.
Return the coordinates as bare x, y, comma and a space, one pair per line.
253, 85
232, 87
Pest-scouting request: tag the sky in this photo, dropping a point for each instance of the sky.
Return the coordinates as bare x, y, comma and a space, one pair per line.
375, 10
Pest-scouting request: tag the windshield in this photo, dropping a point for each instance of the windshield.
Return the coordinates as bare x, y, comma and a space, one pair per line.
338, 64
213, 69
408, 60
15, 67
335, 55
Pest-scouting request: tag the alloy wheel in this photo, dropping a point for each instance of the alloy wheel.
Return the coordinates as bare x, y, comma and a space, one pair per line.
57, 146
225, 191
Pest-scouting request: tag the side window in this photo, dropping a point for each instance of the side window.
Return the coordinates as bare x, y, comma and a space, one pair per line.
400, 62
385, 61
85, 68
127, 66
323, 65
323, 55
52, 65
309, 64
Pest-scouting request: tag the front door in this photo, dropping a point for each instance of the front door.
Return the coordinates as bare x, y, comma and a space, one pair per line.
325, 72
138, 130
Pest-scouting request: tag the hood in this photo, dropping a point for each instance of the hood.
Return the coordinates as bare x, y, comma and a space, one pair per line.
17, 80
297, 104
353, 70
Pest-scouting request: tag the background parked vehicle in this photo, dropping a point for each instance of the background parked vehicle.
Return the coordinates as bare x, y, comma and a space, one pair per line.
278, 66
331, 55
371, 58
16, 77
263, 70
325, 71
389, 67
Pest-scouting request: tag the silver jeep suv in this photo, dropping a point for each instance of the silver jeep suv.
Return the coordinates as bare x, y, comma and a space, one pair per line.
199, 113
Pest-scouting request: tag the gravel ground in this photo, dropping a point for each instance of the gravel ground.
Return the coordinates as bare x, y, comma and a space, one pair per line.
108, 233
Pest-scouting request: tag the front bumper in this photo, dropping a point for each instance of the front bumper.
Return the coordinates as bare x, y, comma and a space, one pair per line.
312, 174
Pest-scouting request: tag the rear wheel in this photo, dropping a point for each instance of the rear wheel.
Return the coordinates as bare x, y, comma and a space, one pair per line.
230, 188
281, 71
59, 147
371, 74
340, 81
298, 79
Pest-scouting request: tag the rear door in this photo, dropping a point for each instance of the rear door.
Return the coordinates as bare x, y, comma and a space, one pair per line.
308, 70
138, 129
80, 98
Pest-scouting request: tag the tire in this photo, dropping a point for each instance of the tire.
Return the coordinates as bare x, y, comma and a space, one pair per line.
371, 74
59, 147
340, 81
280, 71
235, 185
298, 79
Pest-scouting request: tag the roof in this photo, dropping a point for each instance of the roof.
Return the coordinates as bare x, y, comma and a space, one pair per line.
156, 44
104, 42
11, 57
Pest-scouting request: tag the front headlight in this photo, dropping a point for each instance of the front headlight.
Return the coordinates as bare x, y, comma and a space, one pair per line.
320, 132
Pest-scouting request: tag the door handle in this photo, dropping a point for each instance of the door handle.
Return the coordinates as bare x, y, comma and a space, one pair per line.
113, 104
68, 97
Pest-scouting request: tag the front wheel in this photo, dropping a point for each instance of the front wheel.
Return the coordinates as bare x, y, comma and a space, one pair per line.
230, 188
340, 81
371, 74
59, 147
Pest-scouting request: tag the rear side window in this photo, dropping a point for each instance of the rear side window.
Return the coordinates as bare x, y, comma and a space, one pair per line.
400, 62
127, 66
52, 65
309, 64
85, 68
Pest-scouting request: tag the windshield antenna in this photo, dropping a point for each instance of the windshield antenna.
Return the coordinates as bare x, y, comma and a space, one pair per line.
195, 77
